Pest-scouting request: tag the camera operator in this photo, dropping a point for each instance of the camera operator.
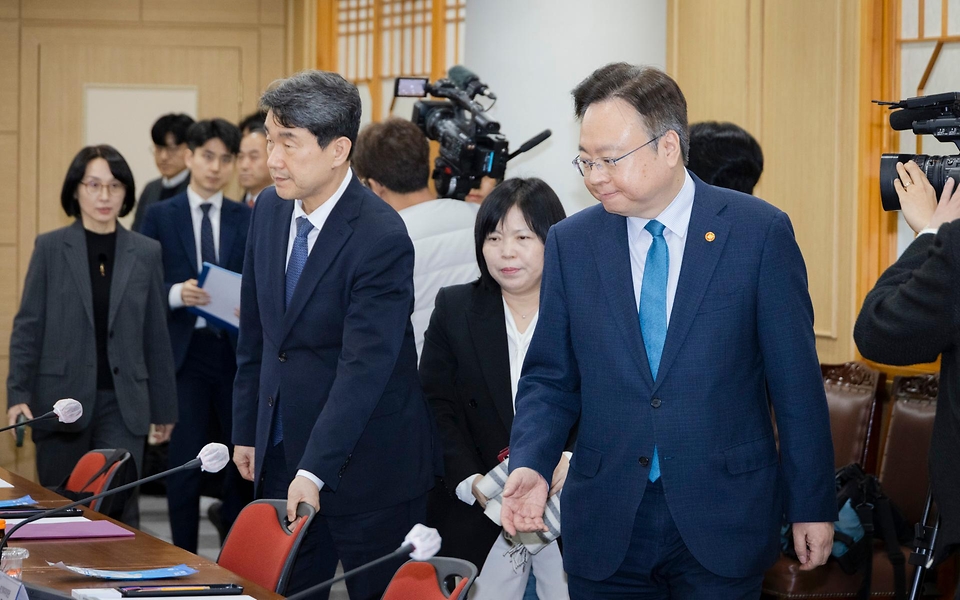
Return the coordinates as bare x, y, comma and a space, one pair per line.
912, 315
392, 158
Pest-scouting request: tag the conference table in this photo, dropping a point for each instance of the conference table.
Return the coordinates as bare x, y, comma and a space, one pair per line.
142, 551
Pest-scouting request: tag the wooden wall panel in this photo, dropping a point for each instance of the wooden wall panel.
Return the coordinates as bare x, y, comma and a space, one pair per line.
793, 83
9, 301
64, 68
271, 56
717, 89
272, 12
9, 74
9, 9
203, 11
9, 198
82, 10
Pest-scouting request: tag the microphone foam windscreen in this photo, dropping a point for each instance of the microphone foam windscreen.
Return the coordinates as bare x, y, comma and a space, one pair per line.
425, 540
68, 410
213, 457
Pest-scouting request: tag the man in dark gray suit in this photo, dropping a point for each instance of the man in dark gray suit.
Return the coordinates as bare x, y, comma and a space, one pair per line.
169, 135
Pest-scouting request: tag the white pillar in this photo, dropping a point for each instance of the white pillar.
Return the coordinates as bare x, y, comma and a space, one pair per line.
532, 53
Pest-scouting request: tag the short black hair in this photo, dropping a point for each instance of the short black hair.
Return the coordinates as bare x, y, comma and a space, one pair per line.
653, 93
202, 132
78, 168
323, 103
539, 204
174, 123
394, 153
725, 155
252, 122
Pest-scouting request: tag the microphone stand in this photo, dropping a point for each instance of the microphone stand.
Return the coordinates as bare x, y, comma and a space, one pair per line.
43, 417
193, 464
398, 553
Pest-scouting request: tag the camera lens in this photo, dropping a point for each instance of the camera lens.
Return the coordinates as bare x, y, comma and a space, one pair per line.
936, 168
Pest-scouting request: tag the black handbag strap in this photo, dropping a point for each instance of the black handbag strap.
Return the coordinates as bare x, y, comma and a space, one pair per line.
865, 513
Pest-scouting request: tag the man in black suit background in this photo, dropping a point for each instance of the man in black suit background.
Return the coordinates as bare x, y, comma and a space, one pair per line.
327, 402
912, 315
198, 226
169, 136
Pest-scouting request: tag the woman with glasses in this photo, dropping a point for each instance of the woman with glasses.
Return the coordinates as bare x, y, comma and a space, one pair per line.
92, 326
472, 356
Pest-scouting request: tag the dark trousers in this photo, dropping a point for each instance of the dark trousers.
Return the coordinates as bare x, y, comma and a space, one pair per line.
205, 393
59, 452
353, 540
659, 565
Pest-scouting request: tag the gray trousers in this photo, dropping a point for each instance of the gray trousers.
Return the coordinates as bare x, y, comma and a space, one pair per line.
58, 452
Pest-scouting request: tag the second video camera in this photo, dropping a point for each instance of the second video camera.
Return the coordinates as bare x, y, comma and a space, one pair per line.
471, 145
937, 115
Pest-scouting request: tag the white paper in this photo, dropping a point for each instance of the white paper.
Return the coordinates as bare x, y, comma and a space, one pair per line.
5, 484
12, 589
224, 289
49, 520
113, 594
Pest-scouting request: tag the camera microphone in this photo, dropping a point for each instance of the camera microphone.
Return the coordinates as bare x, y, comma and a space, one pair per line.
468, 81
901, 120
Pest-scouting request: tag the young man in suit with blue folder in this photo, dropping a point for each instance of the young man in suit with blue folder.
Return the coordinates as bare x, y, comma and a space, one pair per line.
200, 226
327, 402
671, 316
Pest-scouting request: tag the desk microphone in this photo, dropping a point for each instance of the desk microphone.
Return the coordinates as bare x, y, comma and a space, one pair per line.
211, 459
422, 543
66, 410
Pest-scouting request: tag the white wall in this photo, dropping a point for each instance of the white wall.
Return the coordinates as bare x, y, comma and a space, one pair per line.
533, 52
140, 106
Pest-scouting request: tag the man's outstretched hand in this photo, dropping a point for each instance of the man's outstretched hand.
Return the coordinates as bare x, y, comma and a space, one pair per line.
524, 500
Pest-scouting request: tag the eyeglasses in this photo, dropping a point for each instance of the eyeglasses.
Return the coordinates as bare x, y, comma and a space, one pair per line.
585, 166
114, 188
211, 158
168, 150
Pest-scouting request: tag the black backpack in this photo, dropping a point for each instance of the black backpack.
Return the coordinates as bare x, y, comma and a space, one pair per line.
865, 513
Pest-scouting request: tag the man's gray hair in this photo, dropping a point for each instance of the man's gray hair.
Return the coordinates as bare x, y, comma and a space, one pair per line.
324, 103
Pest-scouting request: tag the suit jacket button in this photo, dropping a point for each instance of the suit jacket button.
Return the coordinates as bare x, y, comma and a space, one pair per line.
283, 357
656, 403
644, 461
111, 335
116, 370
472, 403
270, 401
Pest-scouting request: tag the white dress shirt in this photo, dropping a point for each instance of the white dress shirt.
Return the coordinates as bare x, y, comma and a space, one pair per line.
196, 216
318, 217
675, 219
175, 180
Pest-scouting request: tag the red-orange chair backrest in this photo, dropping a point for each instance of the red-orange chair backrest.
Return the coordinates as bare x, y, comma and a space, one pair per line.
258, 546
82, 477
419, 581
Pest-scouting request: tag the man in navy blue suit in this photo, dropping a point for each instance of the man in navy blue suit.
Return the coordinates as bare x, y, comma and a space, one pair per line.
200, 226
672, 315
327, 402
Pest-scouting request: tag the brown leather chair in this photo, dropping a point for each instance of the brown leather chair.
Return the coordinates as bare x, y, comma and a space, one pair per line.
855, 395
903, 476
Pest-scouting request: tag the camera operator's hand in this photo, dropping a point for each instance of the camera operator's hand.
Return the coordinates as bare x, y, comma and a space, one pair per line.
949, 208
918, 199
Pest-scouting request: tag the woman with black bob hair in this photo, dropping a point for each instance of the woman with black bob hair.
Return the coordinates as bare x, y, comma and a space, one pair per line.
92, 326
473, 352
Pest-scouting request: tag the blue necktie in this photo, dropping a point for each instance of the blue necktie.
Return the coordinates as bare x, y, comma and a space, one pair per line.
208, 250
298, 259
653, 310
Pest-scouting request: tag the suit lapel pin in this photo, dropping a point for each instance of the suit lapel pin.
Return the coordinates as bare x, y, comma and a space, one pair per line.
710, 236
